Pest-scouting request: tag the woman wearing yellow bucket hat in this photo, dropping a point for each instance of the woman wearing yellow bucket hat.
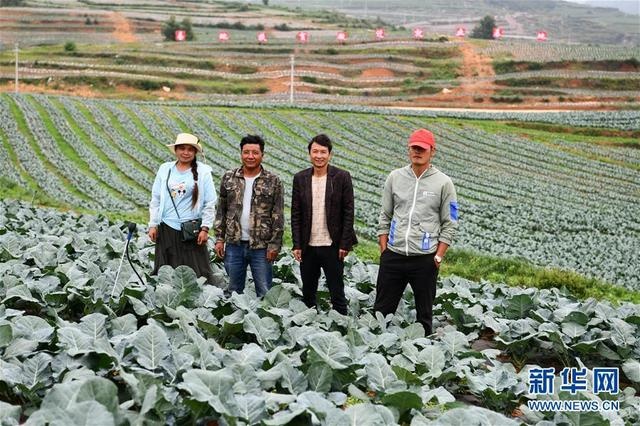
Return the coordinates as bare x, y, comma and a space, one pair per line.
182, 209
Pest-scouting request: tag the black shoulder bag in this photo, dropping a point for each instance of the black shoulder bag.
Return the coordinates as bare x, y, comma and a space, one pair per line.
190, 228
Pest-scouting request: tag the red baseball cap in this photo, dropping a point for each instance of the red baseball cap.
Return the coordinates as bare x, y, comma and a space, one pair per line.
422, 138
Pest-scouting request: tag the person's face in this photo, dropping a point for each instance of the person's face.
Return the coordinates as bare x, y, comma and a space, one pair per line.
251, 155
186, 153
420, 156
319, 155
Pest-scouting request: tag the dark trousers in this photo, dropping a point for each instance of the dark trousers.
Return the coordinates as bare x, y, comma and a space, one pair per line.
396, 271
326, 258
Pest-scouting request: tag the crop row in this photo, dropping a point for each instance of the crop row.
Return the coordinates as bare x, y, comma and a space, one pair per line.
546, 203
547, 52
621, 120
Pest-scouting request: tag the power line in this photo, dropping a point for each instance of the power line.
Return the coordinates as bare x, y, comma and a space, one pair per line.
16, 50
291, 85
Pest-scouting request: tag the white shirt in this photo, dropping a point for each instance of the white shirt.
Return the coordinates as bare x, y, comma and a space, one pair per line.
181, 185
319, 232
246, 206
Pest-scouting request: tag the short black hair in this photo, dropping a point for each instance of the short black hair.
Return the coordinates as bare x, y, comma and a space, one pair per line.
321, 139
252, 139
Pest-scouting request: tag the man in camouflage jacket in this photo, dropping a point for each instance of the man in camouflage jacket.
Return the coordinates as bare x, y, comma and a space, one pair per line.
249, 219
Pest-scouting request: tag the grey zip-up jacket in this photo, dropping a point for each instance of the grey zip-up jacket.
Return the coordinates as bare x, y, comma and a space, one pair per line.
417, 213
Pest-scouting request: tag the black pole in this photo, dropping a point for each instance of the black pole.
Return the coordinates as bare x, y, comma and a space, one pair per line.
132, 229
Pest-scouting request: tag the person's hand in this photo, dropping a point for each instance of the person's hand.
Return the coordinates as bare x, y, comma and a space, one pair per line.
382, 242
297, 254
219, 248
342, 254
272, 255
203, 236
153, 233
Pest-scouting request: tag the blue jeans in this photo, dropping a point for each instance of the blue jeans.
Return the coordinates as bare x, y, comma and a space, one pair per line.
236, 259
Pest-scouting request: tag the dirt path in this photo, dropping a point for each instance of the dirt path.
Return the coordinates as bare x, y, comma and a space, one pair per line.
475, 65
122, 31
477, 74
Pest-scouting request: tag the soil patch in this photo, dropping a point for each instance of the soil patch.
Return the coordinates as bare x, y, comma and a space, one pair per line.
377, 72
278, 85
122, 28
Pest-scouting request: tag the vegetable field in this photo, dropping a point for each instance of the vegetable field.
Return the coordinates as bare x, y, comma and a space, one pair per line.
534, 51
80, 348
566, 204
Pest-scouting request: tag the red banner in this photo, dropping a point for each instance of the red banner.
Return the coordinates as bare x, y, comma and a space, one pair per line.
180, 35
303, 37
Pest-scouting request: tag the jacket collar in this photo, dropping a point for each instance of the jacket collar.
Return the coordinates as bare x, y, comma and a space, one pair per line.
239, 173
331, 171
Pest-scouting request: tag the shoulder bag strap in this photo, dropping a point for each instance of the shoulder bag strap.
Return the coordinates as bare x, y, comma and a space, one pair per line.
170, 196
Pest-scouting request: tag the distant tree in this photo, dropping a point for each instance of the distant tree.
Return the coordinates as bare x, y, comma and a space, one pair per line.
70, 46
169, 28
484, 29
186, 25
283, 27
265, 2
87, 21
9, 3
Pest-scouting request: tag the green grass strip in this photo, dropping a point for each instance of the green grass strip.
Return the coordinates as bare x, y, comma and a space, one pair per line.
519, 272
89, 144
548, 137
67, 150
13, 158
168, 112
24, 129
136, 121
115, 123
32, 194
515, 272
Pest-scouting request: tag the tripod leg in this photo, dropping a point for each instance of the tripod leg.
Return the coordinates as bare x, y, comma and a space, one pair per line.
126, 247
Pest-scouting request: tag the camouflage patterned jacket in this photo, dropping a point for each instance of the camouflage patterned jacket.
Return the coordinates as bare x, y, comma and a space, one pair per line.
267, 210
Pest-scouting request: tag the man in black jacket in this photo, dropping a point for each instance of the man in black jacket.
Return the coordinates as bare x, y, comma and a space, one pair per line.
322, 223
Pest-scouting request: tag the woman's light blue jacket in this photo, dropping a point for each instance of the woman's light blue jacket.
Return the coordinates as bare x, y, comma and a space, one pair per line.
205, 206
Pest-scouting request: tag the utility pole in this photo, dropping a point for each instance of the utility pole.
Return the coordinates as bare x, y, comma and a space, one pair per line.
16, 50
291, 86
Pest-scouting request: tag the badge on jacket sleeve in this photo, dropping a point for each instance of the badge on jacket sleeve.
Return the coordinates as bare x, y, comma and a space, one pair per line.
453, 208
392, 233
425, 241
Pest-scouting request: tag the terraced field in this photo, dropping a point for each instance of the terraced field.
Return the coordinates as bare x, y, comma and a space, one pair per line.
555, 203
119, 52
82, 344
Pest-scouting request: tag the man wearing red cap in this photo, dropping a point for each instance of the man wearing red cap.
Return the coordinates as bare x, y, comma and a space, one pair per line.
417, 224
